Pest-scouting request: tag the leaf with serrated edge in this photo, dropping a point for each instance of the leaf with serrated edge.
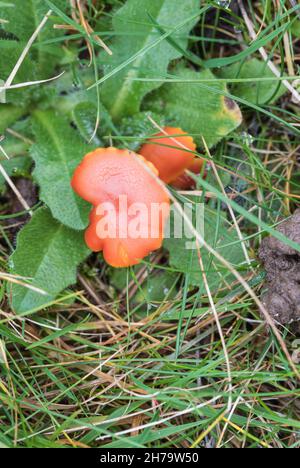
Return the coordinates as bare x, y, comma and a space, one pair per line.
57, 152
121, 95
196, 109
48, 254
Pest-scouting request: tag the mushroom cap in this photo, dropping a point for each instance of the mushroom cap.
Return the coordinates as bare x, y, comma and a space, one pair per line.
124, 251
184, 181
171, 154
106, 173
130, 206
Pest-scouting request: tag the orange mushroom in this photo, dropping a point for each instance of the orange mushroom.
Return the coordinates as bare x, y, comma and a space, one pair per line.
130, 206
172, 152
186, 182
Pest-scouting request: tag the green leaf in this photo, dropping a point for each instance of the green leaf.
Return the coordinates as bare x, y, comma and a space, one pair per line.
24, 20
71, 88
48, 253
85, 117
57, 152
121, 95
157, 289
10, 52
258, 93
138, 128
9, 114
295, 29
16, 167
14, 145
197, 110
222, 237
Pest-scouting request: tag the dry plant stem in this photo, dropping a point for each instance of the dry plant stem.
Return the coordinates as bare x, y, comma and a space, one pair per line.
84, 24
289, 172
89, 289
108, 421
29, 83
287, 49
73, 10
263, 53
208, 430
15, 279
26, 50
228, 205
235, 405
96, 298
163, 420
12, 185
19, 136
216, 316
15, 406
88, 29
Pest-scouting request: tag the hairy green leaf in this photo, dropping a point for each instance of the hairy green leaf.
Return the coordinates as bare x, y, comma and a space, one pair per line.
85, 117
23, 20
57, 152
196, 109
121, 95
47, 253
257, 92
9, 114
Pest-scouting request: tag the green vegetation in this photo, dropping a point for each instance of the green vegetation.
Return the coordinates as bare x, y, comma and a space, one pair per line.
173, 352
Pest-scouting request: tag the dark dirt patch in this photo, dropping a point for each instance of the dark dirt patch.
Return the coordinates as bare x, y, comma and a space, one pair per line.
282, 264
29, 192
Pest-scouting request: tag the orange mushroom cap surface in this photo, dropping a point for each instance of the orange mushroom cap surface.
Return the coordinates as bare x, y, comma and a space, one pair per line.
171, 154
130, 206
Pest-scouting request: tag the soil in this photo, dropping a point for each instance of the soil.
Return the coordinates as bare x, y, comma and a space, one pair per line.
29, 192
282, 265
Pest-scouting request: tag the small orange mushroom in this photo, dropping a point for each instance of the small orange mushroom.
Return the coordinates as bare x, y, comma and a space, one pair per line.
186, 182
172, 152
130, 206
